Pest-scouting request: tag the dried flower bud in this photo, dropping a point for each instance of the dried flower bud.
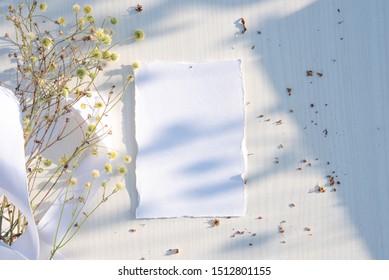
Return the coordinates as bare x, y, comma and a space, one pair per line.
130, 78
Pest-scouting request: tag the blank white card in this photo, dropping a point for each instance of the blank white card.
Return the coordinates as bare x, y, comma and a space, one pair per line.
190, 137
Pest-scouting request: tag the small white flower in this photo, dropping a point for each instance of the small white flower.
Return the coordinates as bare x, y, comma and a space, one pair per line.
76, 8
95, 173
120, 186
30, 36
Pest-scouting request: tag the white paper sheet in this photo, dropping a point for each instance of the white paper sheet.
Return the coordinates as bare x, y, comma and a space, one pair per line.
189, 131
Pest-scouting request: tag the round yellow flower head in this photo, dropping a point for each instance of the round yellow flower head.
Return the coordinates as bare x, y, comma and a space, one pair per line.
43, 6
87, 9
81, 73
47, 162
99, 105
114, 56
122, 170
73, 181
61, 21
139, 35
127, 159
46, 42
112, 155
108, 168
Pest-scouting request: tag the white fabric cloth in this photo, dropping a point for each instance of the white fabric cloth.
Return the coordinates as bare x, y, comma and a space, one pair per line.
37, 241
13, 180
189, 132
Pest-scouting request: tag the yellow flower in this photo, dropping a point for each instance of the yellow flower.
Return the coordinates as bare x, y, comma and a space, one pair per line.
108, 168
95, 173
82, 20
91, 127
83, 106
100, 33
135, 65
120, 186
90, 18
61, 21
42, 83
47, 42
87, 184
94, 152
87, 9
104, 184
26, 121
99, 105
122, 170
34, 59
63, 160
73, 181
139, 35
64, 92
106, 40
127, 159
114, 56
47, 162
112, 155
106, 55
81, 73
43, 6
96, 54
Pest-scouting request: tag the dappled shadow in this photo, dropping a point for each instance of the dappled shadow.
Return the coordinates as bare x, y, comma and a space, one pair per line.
348, 47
